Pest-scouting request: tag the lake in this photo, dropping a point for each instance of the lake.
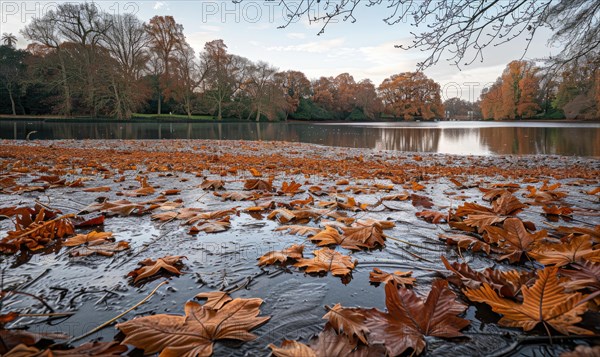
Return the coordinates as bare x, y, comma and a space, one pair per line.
475, 138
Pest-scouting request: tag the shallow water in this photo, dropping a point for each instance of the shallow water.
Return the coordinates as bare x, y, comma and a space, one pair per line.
475, 138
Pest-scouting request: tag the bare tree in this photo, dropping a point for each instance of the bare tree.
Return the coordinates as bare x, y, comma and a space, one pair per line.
260, 85
460, 30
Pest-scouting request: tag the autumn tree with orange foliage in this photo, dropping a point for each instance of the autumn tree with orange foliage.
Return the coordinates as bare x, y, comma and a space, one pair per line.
411, 95
514, 95
295, 85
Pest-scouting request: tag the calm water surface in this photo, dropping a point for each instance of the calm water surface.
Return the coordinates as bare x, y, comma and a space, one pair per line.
478, 138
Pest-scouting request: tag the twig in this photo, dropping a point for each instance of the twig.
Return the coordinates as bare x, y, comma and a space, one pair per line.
414, 255
29, 283
109, 322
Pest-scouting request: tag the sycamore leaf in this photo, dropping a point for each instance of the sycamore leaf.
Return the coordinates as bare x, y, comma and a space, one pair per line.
107, 249
409, 319
594, 233
514, 239
87, 238
464, 241
356, 238
545, 302
400, 278
151, 267
299, 230
585, 275
328, 260
284, 215
506, 283
212, 185
257, 184
350, 321
211, 226
281, 256
195, 333
290, 189
329, 236
215, 299
432, 216
578, 248
480, 217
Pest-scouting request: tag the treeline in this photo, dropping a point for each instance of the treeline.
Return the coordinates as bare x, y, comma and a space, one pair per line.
85, 62
525, 91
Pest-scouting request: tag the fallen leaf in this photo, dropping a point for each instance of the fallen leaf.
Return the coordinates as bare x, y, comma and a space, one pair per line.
400, 278
97, 189
350, 321
151, 267
464, 241
86, 238
195, 333
514, 239
294, 252
215, 299
578, 248
545, 302
107, 249
299, 230
432, 216
212, 185
256, 184
328, 260
409, 319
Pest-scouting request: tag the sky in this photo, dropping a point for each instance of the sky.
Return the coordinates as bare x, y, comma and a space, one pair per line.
365, 48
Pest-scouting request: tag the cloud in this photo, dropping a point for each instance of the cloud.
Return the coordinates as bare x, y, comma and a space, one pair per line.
323, 46
296, 35
210, 28
158, 5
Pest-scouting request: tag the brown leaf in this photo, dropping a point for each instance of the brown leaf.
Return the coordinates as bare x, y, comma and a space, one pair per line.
87, 238
328, 260
120, 207
299, 230
282, 256
239, 196
357, 238
257, 184
506, 283
583, 351
408, 318
106, 249
211, 226
152, 267
578, 248
291, 188
557, 211
349, 321
432, 216
193, 334
514, 239
103, 349
212, 185
97, 189
422, 201
464, 241
400, 278
215, 299
545, 302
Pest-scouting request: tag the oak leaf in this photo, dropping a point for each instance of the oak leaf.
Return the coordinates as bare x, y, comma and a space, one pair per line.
328, 260
282, 256
195, 333
409, 319
151, 267
400, 278
545, 302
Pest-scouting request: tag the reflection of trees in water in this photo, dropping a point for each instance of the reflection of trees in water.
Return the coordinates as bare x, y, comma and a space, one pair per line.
499, 140
561, 141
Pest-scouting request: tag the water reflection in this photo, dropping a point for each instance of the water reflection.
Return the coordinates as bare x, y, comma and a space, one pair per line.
453, 138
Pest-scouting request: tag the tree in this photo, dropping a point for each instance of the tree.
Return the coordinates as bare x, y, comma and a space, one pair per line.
411, 95
260, 87
295, 85
457, 108
577, 91
8, 39
463, 29
12, 70
187, 77
165, 35
367, 99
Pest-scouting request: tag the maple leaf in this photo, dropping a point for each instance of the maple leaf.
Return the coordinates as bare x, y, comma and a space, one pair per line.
212, 185
281, 256
464, 241
215, 299
87, 238
408, 318
349, 320
545, 302
514, 239
328, 260
594, 233
400, 278
328, 236
107, 249
299, 230
480, 217
432, 216
356, 238
576, 249
152, 267
257, 184
195, 333
506, 283
290, 189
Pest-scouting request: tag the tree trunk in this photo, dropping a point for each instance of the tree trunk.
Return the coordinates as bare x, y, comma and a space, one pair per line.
12, 100
219, 113
159, 100
66, 89
258, 113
